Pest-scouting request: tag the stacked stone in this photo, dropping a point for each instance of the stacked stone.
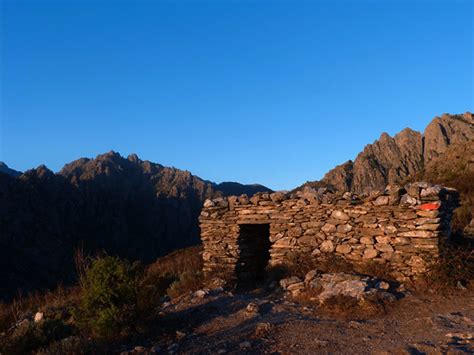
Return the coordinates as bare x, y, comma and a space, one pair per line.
400, 227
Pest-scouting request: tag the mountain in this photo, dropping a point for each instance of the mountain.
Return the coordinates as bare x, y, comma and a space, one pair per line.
124, 206
391, 160
442, 154
6, 170
235, 188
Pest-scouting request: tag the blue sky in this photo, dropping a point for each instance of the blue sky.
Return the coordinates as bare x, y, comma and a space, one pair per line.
275, 92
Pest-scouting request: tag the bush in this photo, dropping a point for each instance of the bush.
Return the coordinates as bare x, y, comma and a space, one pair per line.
109, 297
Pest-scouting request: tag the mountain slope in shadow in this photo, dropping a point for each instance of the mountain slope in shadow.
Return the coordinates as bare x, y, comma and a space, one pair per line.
124, 206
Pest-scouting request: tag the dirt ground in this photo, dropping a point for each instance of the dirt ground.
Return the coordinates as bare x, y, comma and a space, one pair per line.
220, 323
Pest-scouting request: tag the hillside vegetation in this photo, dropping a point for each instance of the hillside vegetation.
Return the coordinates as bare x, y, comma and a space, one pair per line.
115, 301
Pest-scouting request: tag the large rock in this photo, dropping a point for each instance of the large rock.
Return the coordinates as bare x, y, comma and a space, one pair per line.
348, 285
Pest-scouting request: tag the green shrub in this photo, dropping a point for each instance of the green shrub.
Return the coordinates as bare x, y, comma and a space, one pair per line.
109, 297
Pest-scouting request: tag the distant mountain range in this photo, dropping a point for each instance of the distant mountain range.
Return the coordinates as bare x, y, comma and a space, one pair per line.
124, 206
141, 210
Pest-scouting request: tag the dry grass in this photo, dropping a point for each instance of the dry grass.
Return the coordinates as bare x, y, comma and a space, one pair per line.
177, 262
60, 298
350, 308
175, 274
455, 267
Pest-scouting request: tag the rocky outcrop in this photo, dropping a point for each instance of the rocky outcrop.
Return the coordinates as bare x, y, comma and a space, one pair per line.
124, 206
391, 160
6, 170
445, 131
387, 161
341, 176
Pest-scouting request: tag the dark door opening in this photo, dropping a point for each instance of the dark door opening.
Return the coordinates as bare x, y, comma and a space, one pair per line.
254, 244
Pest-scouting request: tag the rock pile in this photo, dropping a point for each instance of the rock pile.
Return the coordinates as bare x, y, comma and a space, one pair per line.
401, 227
331, 285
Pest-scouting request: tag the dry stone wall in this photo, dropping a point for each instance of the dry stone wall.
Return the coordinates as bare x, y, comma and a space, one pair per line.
403, 228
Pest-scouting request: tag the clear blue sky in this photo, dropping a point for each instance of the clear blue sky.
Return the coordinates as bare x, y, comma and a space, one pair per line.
275, 92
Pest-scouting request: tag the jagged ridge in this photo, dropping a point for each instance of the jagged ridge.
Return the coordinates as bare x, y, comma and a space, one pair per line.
128, 207
390, 160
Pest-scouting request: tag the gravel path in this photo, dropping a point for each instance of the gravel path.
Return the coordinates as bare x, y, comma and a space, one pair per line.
225, 323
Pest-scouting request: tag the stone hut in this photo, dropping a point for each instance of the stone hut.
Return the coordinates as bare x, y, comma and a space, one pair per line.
402, 228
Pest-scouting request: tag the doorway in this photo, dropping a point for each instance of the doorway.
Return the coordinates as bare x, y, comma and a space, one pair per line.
254, 245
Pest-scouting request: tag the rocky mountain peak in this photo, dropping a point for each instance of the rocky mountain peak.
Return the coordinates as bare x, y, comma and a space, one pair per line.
390, 160
134, 158
447, 130
6, 170
384, 137
41, 172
